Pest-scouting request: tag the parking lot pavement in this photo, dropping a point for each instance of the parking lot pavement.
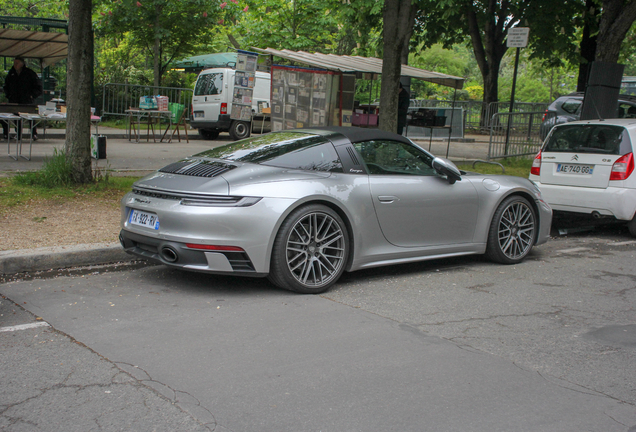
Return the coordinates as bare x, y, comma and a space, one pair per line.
458, 344
51, 382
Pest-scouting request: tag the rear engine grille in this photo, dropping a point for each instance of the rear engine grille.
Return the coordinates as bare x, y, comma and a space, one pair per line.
197, 168
202, 199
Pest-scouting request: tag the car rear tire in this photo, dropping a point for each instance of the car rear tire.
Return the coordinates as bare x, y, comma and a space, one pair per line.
209, 134
310, 250
512, 231
632, 227
239, 130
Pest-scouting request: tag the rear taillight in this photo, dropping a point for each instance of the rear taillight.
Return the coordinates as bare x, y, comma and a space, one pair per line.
545, 115
623, 167
536, 165
223, 108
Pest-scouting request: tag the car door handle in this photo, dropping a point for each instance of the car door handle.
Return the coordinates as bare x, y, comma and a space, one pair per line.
387, 199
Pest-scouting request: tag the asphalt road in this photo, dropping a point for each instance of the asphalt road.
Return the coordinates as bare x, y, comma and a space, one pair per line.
462, 344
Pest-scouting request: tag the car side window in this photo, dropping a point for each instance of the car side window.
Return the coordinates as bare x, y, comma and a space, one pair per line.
386, 157
571, 106
209, 84
318, 157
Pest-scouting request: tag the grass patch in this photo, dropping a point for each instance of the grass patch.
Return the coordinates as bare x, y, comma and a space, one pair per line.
56, 172
14, 194
519, 167
117, 123
54, 182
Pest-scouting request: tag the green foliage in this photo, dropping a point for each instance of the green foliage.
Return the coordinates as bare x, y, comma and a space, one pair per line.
57, 9
299, 25
535, 81
56, 172
475, 92
119, 60
360, 27
458, 61
165, 30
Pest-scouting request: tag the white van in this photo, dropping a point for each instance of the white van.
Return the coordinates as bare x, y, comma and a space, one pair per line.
212, 103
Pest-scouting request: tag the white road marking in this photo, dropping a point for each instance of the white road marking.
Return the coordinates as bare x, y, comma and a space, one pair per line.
24, 326
623, 243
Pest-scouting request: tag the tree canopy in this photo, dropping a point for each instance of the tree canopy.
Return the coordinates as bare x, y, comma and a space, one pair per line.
165, 30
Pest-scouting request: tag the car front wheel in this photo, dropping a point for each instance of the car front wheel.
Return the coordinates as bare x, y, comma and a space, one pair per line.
512, 231
310, 250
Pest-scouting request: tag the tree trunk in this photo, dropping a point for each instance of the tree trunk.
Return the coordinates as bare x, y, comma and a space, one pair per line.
156, 49
233, 41
588, 43
616, 20
78, 95
489, 51
399, 17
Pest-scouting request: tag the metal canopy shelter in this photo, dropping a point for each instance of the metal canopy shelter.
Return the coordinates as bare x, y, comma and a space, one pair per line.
47, 47
361, 64
206, 61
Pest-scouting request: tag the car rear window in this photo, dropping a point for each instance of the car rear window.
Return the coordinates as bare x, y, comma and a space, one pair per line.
294, 150
209, 84
589, 138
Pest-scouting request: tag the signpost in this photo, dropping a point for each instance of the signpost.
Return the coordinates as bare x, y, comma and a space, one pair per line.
517, 38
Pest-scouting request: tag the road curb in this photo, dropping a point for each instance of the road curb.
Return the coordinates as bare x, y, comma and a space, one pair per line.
57, 257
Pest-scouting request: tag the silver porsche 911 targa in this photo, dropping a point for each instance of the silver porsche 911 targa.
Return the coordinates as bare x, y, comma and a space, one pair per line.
303, 206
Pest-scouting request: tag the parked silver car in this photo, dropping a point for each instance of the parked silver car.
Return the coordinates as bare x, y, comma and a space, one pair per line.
303, 206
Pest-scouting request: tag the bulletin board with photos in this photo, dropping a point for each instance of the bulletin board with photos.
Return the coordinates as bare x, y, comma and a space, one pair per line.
303, 97
244, 79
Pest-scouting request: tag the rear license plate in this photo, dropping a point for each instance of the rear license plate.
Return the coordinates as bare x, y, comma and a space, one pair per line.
575, 169
198, 114
148, 220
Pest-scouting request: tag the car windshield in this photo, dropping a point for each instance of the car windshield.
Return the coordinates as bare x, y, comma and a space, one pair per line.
589, 138
296, 150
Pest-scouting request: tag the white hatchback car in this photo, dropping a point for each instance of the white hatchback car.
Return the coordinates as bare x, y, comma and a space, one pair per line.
587, 167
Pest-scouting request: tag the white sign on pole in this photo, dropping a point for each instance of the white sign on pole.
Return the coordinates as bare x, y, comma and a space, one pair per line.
518, 37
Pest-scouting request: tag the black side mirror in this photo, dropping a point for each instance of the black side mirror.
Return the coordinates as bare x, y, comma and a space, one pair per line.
447, 168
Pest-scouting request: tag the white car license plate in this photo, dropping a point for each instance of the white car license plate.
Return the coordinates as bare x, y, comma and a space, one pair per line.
575, 169
198, 114
144, 219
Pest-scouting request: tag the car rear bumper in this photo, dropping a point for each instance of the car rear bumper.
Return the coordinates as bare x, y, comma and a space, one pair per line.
612, 201
179, 255
223, 123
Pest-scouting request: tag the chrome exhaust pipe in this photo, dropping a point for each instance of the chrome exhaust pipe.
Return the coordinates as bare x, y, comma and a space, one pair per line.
169, 254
